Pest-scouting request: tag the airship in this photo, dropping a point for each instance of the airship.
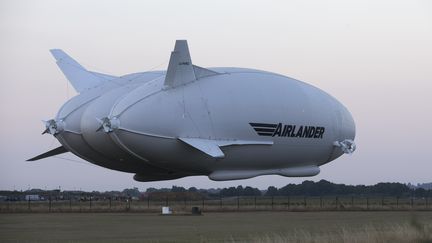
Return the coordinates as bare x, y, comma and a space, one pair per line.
226, 123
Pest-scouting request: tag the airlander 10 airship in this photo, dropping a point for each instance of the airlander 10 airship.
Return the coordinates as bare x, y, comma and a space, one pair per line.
224, 123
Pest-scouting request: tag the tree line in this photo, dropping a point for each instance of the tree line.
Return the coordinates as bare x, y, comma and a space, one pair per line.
307, 188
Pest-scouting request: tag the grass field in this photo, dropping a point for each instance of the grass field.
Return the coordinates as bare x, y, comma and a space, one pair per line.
236, 226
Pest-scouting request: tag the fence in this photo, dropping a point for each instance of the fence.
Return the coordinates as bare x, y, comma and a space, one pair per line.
221, 204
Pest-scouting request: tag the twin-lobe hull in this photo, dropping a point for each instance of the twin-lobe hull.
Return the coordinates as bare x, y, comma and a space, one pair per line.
226, 123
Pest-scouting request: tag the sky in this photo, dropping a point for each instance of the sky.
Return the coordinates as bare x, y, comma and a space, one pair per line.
373, 56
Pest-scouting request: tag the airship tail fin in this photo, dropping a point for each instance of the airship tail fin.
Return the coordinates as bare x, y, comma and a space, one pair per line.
80, 78
180, 68
50, 153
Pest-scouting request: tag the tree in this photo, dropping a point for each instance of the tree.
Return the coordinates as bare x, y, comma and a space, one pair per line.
271, 191
178, 189
134, 192
192, 189
249, 191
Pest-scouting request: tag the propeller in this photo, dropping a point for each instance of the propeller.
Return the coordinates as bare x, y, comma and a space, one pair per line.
53, 127
108, 124
347, 146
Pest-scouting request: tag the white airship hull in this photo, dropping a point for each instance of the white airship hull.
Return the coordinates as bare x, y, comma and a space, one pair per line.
226, 123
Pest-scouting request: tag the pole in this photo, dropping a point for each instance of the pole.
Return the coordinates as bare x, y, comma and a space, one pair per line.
49, 204
70, 204
272, 202
289, 202
238, 203
255, 202
220, 201
321, 202
367, 203
427, 198
304, 202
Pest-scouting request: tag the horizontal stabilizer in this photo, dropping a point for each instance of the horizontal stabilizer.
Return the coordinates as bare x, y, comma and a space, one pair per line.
212, 147
50, 153
205, 145
80, 78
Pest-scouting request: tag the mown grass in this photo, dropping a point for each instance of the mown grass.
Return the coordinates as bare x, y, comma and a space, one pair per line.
342, 226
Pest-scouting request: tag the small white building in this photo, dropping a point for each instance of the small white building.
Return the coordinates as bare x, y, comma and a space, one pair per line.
166, 210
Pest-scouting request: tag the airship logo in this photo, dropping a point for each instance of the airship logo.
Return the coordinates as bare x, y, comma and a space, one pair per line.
280, 130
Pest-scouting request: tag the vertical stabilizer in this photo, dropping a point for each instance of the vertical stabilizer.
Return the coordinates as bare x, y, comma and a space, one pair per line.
80, 78
180, 70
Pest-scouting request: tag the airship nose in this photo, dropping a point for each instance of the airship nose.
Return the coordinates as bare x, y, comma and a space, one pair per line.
345, 141
348, 125
345, 133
